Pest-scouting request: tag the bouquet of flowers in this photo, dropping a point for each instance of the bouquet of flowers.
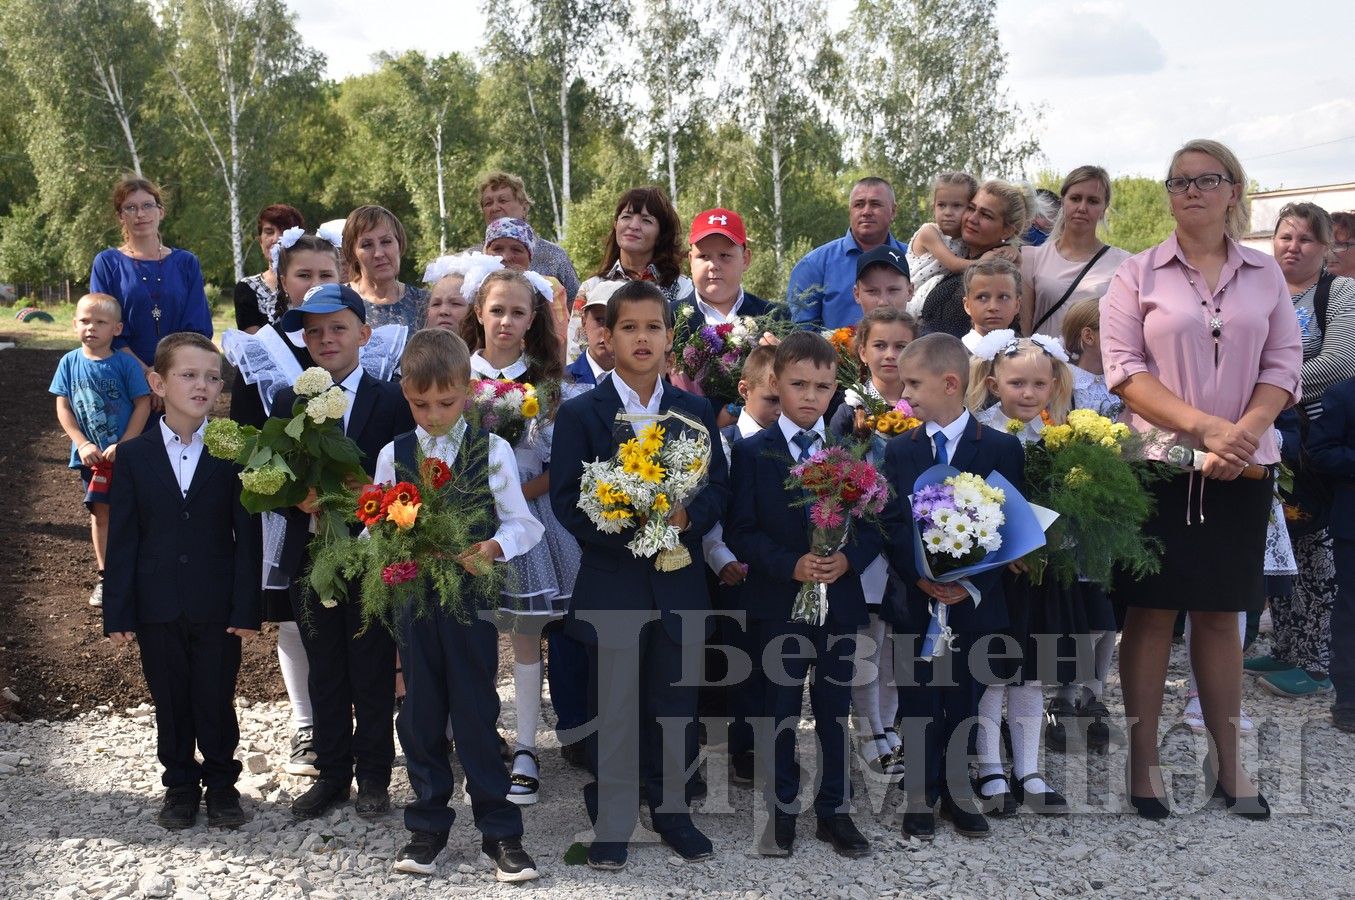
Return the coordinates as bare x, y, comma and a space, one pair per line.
417, 531
504, 408
1086, 471
848, 365
287, 459
711, 357
662, 466
965, 525
839, 488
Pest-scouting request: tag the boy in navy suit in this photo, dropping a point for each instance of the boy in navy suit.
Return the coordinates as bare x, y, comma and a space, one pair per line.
183, 581
1331, 448
596, 360
739, 703
936, 697
645, 628
352, 676
451, 666
772, 534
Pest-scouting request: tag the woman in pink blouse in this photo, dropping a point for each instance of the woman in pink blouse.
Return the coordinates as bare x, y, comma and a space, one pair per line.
1200, 340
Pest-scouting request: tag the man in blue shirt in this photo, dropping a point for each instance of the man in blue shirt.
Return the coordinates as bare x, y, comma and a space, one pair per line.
820, 289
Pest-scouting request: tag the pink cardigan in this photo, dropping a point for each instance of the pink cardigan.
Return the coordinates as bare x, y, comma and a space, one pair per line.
1153, 320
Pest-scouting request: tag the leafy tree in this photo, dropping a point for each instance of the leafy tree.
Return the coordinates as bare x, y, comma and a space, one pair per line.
1139, 214
679, 62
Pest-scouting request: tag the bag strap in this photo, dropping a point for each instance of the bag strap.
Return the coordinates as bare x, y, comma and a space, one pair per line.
1322, 298
1072, 287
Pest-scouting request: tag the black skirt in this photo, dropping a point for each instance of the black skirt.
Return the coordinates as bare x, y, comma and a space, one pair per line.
1213, 536
1048, 633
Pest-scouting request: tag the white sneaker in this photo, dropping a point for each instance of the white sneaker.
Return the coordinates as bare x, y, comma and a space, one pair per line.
96, 597
1244, 723
1193, 716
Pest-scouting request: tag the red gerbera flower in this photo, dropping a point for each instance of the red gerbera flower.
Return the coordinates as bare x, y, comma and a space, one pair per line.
371, 505
436, 472
403, 492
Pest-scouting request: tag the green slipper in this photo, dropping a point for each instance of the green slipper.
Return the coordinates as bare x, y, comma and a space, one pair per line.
1294, 683
1260, 665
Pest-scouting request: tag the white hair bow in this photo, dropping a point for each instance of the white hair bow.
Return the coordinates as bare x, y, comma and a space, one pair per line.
332, 231
543, 287
1003, 340
477, 270
289, 237
1051, 345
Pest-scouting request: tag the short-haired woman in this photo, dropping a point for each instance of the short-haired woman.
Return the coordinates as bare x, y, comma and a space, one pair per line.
373, 243
256, 296
504, 195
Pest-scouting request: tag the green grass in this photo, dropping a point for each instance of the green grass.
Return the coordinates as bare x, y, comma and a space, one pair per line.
60, 333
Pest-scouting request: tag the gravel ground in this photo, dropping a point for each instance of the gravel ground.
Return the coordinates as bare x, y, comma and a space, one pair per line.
78, 800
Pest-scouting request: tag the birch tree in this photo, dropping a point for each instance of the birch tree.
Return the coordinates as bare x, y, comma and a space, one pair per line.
680, 62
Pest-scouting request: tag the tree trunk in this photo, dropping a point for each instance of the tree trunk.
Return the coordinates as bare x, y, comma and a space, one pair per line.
672, 142
442, 192
108, 80
777, 240
565, 197
545, 165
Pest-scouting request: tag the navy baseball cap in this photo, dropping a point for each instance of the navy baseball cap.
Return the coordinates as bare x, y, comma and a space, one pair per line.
321, 299
883, 255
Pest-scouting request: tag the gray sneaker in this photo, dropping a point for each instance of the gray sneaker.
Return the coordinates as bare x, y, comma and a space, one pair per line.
302, 761
96, 596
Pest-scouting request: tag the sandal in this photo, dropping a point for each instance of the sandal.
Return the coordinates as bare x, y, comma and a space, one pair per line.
524, 788
1003, 803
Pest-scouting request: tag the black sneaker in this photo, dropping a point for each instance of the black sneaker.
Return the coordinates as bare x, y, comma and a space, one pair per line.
511, 862
302, 761
419, 856
1057, 716
323, 796
1343, 717
576, 754
373, 800
223, 808
180, 808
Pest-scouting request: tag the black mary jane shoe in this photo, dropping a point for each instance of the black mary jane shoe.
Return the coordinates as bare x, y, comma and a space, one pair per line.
524, 789
1046, 803
997, 805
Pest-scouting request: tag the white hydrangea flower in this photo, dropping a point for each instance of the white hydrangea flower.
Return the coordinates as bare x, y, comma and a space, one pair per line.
313, 381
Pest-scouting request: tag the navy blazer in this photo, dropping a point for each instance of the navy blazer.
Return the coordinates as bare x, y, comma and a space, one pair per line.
770, 534
173, 556
981, 450
581, 371
752, 305
610, 576
1331, 449
379, 413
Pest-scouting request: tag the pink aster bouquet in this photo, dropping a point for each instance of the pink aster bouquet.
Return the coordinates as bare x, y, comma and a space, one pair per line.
501, 407
841, 488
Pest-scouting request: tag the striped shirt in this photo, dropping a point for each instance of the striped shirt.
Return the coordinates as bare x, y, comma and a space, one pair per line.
1328, 354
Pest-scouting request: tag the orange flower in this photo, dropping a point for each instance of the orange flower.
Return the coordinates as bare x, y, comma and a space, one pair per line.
403, 514
842, 338
370, 505
1045, 417
404, 492
436, 472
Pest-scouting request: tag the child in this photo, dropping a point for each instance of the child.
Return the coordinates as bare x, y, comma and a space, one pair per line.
450, 667
351, 670
596, 360
515, 338
935, 698
719, 256
618, 593
447, 305
992, 298
742, 702
774, 537
1031, 382
183, 581
101, 400
1330, 439
882, 280
271, 362
1082, 340
881, 337
936, 248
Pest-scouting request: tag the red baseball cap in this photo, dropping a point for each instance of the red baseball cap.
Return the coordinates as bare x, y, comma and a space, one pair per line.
718, 221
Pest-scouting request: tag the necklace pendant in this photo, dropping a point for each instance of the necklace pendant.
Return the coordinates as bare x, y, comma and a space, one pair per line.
1216, 326
155, 313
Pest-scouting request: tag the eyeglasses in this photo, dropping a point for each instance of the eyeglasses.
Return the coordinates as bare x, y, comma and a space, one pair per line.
1342, 246
1206, 182
191, 378
132, 209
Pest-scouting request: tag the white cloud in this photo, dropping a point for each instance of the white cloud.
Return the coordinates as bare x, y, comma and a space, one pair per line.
1094, 39
351, 32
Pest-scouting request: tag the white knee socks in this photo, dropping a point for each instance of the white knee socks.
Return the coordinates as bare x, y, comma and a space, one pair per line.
990, 738
1025, 714
527, 693
296, 669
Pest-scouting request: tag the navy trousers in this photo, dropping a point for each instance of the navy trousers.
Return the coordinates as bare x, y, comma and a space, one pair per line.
567, 673
1343, 623
450, 672
935, 700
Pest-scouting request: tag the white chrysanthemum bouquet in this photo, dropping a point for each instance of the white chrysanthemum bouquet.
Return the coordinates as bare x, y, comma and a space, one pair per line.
663, 466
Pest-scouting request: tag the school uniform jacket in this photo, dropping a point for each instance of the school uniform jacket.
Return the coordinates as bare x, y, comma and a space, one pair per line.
610, 576
752, 305
171, 555
1331, 450
980, 450
770, 534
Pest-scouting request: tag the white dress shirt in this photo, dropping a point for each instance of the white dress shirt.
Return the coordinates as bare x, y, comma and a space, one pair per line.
480, 367
995, 418
350, 388
518, 531
183, 457
631, 405
713, 547
598, 372
789, 430
953, 432
712, 315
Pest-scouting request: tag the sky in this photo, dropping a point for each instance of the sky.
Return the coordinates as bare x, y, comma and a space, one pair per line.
1116, 84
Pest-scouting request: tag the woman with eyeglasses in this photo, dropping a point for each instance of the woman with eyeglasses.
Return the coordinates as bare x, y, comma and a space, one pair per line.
160, 288
1341, 261
1200, 340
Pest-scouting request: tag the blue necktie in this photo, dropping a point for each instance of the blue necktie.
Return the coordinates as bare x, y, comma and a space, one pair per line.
805, 440
940, 440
